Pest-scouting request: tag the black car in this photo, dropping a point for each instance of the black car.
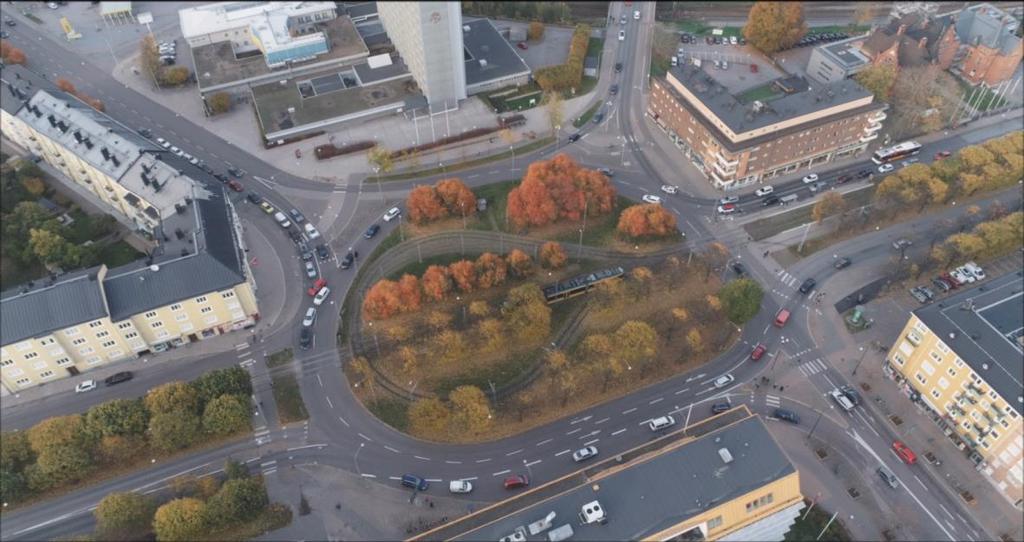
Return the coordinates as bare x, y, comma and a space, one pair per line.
739, 269
709, 40
613, 90
941, 284
844, 178
10, 22
221, 177
598, 118
297, 216
864, 173
770, 200
144, 132
117, 378
236, 172
323, 253
851, 394
842, 263
306, 337
787, 415
807, 286
618, 67
372, 230
717, 408
574, 138
254, 198
349, 259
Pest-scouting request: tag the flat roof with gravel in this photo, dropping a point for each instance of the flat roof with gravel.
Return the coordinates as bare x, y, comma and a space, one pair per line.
216, 64
489, 56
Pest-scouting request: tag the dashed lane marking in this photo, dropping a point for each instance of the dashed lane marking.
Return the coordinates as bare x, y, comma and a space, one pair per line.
623, 430
589, 442
482, 460
684, 390
499, 473
452, 462
342, 420
602, 420
563, 452
658, 400
436, 480
628, 410
513, 452
368, 439
368, 475
577, 430
420, 457
532, 463
390, 449
543, 442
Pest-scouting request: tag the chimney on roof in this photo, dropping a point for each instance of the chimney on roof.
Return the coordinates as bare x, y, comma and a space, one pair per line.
902, 29
923, 43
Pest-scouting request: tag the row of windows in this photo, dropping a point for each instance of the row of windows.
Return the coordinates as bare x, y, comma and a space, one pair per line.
759, 502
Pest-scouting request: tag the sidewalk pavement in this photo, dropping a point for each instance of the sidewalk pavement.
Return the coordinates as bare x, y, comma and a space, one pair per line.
917, 429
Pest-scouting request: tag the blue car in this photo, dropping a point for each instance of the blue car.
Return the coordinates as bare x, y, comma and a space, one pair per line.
371, 231
415, 482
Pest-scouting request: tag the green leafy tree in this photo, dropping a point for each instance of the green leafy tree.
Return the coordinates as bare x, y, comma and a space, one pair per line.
226, 414
172, 397
231, 381
48, 246
118, 417
124, 516
774, 26
15, 450
741, 300
235, 470
878, 80
238, 500
429, 417
181, 519
636, 343
174, 430
13, 485
219, 102
471, 412
526, 313
830, 204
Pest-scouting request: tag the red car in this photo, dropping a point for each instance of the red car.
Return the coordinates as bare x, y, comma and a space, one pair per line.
516, 481
943, 154
905, 453
759, 351
522, 45
753, 68
235, 185
320, 283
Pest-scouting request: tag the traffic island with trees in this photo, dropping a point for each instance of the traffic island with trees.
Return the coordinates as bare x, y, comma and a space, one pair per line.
60, 454
207, 508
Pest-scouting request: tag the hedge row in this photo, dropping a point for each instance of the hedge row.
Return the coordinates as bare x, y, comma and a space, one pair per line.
569, 75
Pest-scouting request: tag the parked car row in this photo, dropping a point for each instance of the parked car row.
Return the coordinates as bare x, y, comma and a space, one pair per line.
967, 273
825, 37
715, 40
168, 52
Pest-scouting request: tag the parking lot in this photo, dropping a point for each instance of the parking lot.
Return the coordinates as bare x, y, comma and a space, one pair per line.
731, 65
551, 50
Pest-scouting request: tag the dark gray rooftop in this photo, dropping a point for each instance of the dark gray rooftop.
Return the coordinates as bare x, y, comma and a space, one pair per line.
665, 490
846, 53
987, 337
75, 299
484, 43
988, 25
740, 118
358, 12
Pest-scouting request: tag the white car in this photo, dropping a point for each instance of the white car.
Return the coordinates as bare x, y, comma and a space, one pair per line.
727, 209
163, 142
733, 40
310, 270
460, 486
975, 270
966, 273
636, 15
311, 231
622, 35
724, 381
885, 168
657, 424
960, 277
584, 453
321, 296
309, 318
85, 385
391, 214
669, 189
808, 179
764, 190
649, 198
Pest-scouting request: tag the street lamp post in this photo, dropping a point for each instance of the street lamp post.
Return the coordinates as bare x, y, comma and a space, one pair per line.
815, 425
863, 352
380, 188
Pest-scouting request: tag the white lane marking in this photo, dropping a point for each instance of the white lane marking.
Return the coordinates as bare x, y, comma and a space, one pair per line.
306, 446
394, 477
470, 479
532, 463
545, 441
390, 449
602, 420
658, 400
329, 403
483, 460
241, 346
574, 422
684, 390
920, 482
432, 479
577, 430
950, 524
451, 462
513, 452
368, 475
702, 392
623, 430
368, 439
946, 511
499, 473
589, 442
343, 421
422, 458
321, 382
268, 472
563, 452
628, 410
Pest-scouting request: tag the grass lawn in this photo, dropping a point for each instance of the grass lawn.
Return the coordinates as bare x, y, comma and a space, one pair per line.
497, 157
696, 28
393, 412
119, 253
587, 115
983, 99
851, 29
773, 225
279, 358
763, 92
807, 529
290, 407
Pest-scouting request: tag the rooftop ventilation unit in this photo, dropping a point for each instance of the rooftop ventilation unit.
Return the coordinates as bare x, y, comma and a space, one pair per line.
88, 143
78, 136
53, 121
483, 62
592, 512
106, 154
145, 179
725, 455
115, 161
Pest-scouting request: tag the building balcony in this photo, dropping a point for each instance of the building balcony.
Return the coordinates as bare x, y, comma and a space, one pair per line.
725, 172
865, 139
726, 162
878, 117
913, 339
872, 128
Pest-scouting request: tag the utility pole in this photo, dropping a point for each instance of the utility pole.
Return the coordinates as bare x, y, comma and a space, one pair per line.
815, 425
863, 352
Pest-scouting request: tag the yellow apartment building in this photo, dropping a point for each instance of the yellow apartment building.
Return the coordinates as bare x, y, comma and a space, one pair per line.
961, 359
725, 478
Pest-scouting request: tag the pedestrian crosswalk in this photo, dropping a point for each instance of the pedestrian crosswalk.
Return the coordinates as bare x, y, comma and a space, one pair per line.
772, 401
262, 435
786, 278
812, 367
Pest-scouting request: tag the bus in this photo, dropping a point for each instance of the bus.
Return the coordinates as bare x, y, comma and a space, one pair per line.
581, 284
896, 152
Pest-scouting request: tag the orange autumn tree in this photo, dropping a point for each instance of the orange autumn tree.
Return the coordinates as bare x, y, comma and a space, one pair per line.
491, 270
647, 220
559, 189
463, 272
436, 282
410, 293
448, 197
384, 300
10, 53
552, 255
519, 263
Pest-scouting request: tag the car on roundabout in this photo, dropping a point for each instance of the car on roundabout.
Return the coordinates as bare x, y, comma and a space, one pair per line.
724, 381
650, 198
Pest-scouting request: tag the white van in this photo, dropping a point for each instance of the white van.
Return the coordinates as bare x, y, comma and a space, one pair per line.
311, 231
788, 199
675, 61
841, 399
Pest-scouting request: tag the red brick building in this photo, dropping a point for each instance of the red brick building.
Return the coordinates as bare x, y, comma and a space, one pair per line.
736, 144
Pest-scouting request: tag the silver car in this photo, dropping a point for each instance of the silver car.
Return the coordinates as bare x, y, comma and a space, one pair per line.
310, 317
584, 454
310, 270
